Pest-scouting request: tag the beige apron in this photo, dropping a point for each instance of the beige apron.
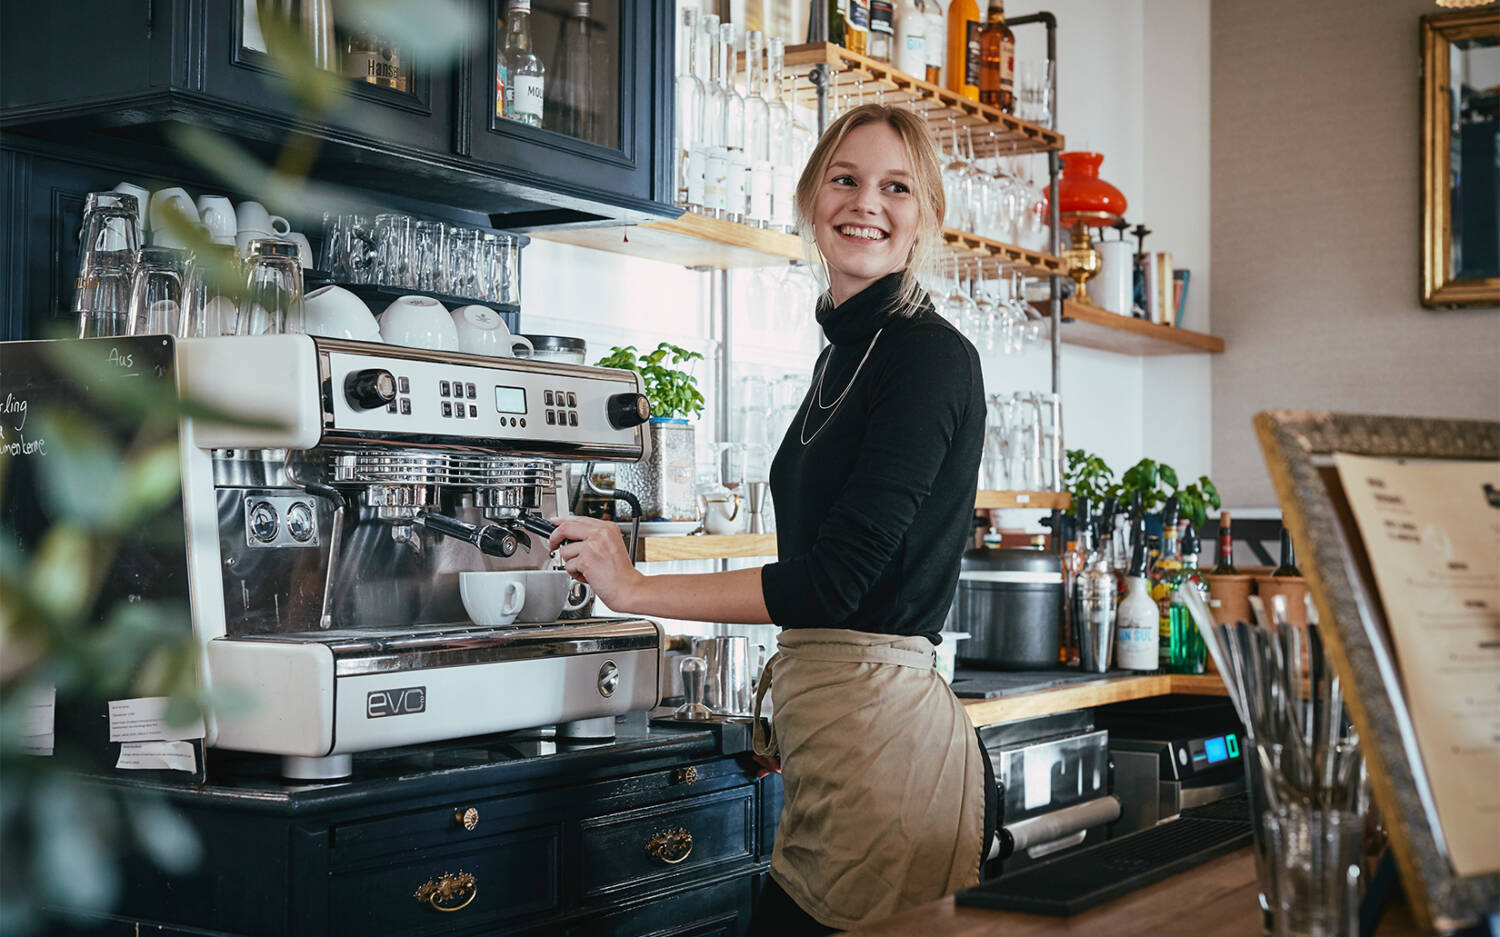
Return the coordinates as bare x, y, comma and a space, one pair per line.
884, 787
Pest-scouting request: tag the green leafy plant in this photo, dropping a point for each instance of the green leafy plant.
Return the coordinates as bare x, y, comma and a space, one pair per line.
672, 391
1088, 476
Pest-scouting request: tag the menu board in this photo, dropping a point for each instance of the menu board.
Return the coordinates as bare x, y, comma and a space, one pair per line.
1431, 532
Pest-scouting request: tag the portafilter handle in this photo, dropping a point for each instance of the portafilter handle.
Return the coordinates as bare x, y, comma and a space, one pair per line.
491, 538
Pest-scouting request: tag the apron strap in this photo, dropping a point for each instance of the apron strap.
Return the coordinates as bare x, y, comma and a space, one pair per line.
762, 746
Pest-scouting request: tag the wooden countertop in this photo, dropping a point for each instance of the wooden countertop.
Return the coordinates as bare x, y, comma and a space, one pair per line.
1105, 690
1217, 899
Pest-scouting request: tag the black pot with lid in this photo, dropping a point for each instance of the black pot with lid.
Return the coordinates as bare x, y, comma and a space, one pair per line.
1009, 601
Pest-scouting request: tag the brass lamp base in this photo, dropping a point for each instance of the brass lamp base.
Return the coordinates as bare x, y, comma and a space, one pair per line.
1082, 260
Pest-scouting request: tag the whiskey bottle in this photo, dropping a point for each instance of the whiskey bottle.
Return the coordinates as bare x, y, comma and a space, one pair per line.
963, 48
997, 60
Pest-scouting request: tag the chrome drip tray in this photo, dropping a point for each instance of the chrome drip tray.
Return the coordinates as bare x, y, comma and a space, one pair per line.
362, 651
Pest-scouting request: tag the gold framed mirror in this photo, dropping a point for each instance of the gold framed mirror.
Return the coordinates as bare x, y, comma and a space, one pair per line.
1460, 178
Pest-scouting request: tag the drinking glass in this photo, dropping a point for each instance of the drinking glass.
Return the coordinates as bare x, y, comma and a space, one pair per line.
510, 269
156, 291
208, 306
463, 262
1314, 864
272, 300
393, 248
1034, 91
487, 272
429, 256
732, 464
999, 413
108, 245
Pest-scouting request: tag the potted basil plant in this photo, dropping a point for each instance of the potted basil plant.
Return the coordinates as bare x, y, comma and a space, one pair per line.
664, 480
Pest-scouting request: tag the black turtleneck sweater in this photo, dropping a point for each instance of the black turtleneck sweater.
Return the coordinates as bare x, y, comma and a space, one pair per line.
874, 510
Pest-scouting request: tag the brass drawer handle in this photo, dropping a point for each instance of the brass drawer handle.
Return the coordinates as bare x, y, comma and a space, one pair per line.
688, 775
468, 817
670, 846
444, 893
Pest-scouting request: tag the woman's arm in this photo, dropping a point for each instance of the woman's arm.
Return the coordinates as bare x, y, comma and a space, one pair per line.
596, 555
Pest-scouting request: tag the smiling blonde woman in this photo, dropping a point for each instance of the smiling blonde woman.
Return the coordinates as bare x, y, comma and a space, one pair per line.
889, 799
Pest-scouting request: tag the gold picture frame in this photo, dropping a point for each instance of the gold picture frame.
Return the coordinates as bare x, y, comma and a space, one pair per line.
1298, 447
1441, 287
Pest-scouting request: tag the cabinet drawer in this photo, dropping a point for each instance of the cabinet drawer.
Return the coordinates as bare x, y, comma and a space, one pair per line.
624, 850
721, 909
509, 877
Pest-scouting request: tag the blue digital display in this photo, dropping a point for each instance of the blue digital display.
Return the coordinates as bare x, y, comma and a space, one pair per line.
1215, 750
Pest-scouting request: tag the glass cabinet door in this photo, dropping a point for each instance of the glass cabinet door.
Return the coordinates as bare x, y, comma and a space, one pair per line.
557, 67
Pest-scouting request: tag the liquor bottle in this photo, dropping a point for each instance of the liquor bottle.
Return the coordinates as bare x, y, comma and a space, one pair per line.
500, 69
1163, 581
1078, 541
963, 48
568, 107
997, 60
882, 29
525, 86
1288, 564
780, 144
1094, 612
910, 53
857, 27
937, 40
1225, 564
1136, 624
736, 169
838, 22
715, 155
1188, 652
372, 60
757, 136
689, 115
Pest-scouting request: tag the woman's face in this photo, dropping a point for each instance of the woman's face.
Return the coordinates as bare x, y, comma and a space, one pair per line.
865, 215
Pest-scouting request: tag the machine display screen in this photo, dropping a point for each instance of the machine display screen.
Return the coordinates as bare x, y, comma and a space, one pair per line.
1216, 750
510, 399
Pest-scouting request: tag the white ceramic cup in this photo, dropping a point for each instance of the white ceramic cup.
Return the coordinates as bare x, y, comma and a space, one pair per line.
481, 331
304, 249
492, 599
252, 216
1111, 289
217, 213
142, 203
179, 200
337, 313
418, 322
547, 594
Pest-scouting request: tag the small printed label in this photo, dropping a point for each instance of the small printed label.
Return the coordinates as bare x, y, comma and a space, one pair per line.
41, 711
735, 183
399, 701
882, 15
859, 14
157, 756
697, 161
714, 172
499, 90
760, 191
971, 54
526, 96
144, 720
785, 189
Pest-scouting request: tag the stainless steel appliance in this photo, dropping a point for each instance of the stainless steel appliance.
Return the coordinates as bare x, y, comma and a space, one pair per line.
1009, 601
1172, 757
327, 527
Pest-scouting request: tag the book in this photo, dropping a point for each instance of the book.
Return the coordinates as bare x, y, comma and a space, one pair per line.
1159, 282
1179, 294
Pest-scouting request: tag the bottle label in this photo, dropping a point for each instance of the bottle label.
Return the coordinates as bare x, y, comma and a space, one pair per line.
500, 90
736, 184
525, 96
913, 55
937, 49
1007, 67
697, 164
971, 54
882, 17
784, 191
760, 191
715, 169
859, 14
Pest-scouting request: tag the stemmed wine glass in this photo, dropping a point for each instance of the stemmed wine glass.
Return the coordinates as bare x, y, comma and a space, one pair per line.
962, 309
1028, 321
977, 182
985, 316
956, 186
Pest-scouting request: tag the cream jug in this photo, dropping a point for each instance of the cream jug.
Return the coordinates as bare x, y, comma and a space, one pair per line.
723, 513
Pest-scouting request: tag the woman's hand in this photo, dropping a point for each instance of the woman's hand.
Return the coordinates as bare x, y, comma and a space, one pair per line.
594, 552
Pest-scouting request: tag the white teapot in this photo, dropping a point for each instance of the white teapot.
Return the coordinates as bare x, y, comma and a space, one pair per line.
724, 512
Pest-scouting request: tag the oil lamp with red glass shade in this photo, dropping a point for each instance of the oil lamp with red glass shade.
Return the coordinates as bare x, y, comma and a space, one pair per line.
1085, 201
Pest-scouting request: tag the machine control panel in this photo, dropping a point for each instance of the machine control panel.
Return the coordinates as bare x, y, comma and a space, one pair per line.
388, 395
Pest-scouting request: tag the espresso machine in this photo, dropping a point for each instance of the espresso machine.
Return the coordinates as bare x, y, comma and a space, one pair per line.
332, 494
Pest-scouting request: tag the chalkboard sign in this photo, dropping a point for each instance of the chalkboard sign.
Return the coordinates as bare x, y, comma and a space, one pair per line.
1409, 642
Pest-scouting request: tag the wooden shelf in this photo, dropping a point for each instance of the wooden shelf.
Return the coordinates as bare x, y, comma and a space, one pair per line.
1046, 500
1099, 692
1092, 327
692, 240
864, 78
997, 256
705, 547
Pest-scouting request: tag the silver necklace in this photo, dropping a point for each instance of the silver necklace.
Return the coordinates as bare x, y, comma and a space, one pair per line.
817, 395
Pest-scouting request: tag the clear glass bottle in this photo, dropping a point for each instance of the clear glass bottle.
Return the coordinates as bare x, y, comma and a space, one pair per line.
937, 40
689, 114
736, 168
1188, 652
1136, 625
569, 96
910, 52
757, 134
1094, 611
781, 142
715, 154
525, 85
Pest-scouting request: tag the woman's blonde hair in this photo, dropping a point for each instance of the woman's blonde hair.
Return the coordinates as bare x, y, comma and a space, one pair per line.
927, 188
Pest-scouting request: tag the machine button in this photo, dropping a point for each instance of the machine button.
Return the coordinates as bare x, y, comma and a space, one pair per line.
442, 388
523, 422
512, 421
551, 418
547, 398
458, 411
609, 678
470, 392
390, 407
299, 522
406, 405
572, 418
627, 410
572, 399
370, 389
447, 408
263, 522
473, 412
403, 385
